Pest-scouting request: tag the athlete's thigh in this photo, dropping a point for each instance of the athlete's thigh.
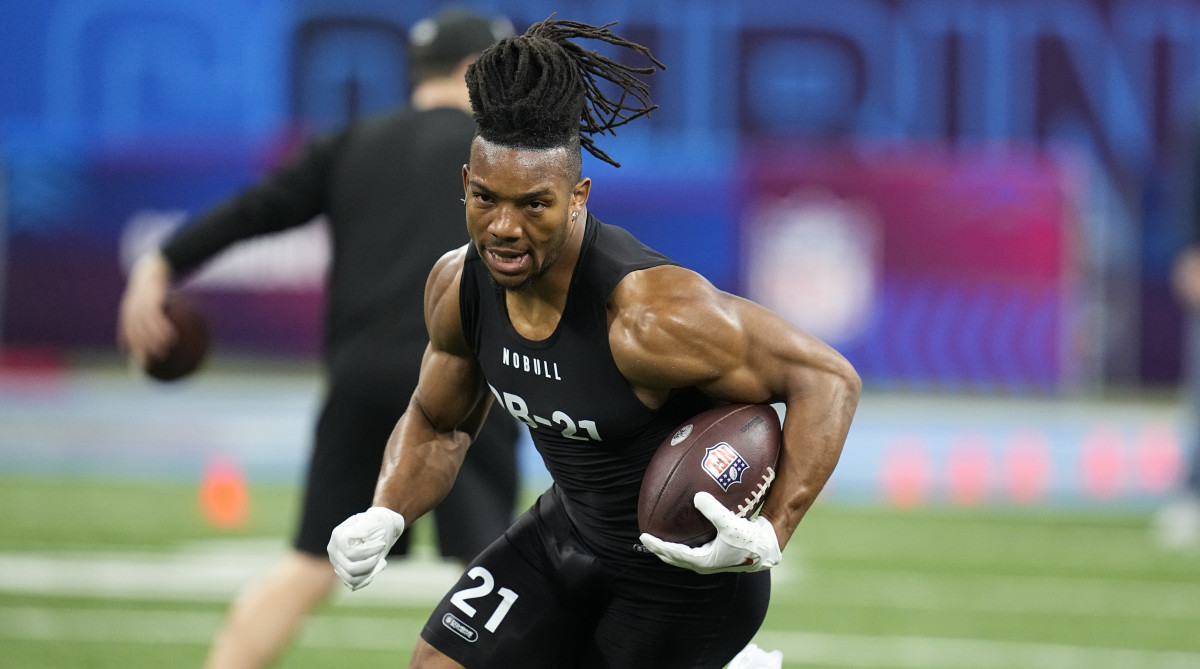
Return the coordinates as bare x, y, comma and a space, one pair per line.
692, 622
505, 612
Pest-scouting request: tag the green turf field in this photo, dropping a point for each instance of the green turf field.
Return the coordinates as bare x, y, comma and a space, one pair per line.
108, 574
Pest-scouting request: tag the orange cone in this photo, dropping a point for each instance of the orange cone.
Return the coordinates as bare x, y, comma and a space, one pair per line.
224, 499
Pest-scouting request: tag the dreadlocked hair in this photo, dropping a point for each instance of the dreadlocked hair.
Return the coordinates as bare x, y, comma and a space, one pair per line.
541, 91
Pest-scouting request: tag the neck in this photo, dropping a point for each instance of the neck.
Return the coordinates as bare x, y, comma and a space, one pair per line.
535, 311
445, 92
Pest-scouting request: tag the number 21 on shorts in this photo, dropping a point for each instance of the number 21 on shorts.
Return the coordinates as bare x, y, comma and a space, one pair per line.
462, 600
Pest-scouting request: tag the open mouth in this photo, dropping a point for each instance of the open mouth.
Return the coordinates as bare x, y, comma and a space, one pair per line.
506, 261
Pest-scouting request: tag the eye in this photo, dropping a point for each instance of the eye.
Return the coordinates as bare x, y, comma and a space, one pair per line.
536, 206
482, 198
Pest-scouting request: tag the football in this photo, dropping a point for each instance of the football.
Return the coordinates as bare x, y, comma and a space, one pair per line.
191, 344
730, 451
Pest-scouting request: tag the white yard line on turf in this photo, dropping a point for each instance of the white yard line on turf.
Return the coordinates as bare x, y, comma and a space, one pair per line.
216, 571
210, 572
154, 627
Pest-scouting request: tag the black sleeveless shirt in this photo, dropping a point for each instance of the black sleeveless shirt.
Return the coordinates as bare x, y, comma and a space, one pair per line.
595, 435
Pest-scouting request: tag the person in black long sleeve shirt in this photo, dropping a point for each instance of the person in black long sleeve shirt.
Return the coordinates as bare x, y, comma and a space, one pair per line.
389, 187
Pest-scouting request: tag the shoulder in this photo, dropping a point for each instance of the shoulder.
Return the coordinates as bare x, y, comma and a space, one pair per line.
387, 119
668, 317
660, 301
444, 278
441, 120
405, 121
370, 129
662, 287
442, 315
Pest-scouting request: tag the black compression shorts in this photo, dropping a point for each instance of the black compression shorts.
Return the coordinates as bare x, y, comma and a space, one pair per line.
538, 598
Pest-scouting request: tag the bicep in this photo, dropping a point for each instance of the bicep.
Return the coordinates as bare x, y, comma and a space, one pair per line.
450, 390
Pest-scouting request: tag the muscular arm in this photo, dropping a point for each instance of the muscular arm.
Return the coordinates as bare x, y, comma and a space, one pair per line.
670, 328
428, 444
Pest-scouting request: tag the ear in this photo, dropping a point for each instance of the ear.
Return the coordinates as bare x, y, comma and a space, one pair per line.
466, 176
579, 194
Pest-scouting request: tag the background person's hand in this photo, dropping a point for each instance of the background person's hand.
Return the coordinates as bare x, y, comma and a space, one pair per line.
143, 329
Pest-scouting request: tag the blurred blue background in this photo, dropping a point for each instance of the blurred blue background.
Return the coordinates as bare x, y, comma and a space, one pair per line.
968, 198
963, 196
1057, 119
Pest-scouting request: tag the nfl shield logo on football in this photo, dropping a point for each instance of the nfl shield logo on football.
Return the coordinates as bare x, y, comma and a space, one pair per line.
723, 464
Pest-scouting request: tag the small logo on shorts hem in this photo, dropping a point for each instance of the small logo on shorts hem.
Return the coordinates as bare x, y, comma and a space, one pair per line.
460, 628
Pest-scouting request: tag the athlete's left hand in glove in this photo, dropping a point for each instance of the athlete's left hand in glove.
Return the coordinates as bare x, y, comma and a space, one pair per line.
741, 544
358, 546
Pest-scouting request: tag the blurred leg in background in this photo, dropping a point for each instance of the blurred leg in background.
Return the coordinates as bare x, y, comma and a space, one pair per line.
266, 615
1178, 523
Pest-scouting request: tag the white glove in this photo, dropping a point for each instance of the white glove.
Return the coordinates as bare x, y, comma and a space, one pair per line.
358, 546
741, 544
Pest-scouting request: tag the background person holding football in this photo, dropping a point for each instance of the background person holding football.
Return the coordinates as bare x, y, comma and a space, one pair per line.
388, 188
602, 347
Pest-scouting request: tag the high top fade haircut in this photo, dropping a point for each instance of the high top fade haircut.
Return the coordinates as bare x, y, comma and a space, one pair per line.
541, 91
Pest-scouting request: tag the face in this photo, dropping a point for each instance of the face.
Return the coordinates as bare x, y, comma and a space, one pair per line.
522, 208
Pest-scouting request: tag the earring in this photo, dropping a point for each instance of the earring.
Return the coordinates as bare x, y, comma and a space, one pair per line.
462, 200
574, 214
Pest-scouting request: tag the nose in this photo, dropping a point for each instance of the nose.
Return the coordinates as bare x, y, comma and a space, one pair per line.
504, 224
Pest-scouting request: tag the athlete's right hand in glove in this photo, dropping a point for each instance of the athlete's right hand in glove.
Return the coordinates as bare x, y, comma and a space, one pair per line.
358, 546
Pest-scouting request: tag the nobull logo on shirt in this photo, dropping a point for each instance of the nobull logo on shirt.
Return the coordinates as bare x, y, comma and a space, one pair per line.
535, 366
